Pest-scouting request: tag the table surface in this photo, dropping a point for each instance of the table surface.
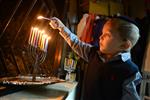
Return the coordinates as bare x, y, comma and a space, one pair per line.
57, 91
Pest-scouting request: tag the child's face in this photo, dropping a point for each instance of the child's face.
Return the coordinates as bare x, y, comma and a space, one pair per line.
110, 42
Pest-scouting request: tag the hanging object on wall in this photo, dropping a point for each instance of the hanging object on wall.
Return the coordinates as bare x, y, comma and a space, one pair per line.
84, 32
107, 8
98, 8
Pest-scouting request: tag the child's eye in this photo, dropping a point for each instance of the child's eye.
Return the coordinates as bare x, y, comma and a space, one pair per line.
107, 35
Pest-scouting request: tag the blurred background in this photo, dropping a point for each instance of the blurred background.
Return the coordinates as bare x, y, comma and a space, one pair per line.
17, 17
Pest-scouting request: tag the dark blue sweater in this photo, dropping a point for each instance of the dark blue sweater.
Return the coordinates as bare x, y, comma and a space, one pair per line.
104, 79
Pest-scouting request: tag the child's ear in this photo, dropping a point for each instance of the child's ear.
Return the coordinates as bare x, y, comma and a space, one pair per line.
126, 45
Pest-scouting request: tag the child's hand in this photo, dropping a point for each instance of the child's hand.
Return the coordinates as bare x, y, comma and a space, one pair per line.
55, 23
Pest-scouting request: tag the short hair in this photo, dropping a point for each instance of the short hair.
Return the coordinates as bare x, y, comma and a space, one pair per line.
127, 29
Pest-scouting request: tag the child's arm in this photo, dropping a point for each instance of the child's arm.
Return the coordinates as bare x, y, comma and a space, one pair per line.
81, 48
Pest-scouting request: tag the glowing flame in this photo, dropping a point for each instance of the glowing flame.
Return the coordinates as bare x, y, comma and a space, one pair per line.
40, 17
49, 38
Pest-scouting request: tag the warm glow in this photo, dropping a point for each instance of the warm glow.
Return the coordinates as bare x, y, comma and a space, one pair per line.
38, 38
49, 38
45, 36
43, 31
40, 17
35, 28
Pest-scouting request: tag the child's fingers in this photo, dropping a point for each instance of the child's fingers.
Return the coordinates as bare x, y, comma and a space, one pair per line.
54, 24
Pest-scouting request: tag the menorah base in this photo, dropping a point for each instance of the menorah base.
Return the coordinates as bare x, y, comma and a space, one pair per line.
28, 80
34, 78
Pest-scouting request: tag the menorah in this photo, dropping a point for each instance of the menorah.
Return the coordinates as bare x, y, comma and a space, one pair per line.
38, 44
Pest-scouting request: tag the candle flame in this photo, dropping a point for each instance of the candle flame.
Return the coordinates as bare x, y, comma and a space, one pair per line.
43, 31
45, 36
48, 38
40, 17
35, 28
38, 38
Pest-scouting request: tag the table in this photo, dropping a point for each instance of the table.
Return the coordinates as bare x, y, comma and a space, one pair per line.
57, 91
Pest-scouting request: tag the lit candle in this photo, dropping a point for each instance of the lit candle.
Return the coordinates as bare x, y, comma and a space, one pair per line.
41, 17
46, 45
45, 37
41, 38
30, 37
37, 38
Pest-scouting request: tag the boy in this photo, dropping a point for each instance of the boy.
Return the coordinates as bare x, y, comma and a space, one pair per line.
111, 75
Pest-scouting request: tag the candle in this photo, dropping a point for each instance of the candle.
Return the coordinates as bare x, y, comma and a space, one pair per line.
43, 39
40, 40
37, 38
30, 36
46, 45
41, 17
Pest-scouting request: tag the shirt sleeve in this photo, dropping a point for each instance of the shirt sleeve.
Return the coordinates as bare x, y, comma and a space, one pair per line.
129, 87
79, 47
